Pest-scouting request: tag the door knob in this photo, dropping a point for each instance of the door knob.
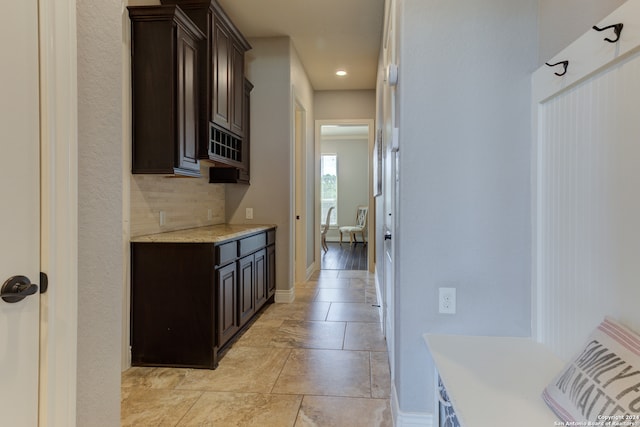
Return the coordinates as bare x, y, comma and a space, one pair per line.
17, 288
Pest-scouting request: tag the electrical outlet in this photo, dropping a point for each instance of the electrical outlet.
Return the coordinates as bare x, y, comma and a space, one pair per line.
447, 300
163, 218
209, 214
249, 213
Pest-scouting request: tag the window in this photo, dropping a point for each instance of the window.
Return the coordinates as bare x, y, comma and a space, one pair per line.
329, 187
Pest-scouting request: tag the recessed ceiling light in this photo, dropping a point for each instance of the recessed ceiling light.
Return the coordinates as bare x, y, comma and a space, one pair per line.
341, 73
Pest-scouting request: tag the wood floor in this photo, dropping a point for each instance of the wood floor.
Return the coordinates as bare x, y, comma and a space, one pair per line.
344, 257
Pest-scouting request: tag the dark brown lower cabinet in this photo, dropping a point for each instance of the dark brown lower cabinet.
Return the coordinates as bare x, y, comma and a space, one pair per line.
246, 267
188, 300
172, 305
252, 271
271, 270
227, 283
260, 281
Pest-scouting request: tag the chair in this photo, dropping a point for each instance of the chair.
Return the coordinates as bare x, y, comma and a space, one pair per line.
360, 227
324, 229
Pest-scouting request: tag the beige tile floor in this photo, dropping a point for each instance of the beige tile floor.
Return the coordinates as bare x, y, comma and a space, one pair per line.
318, 362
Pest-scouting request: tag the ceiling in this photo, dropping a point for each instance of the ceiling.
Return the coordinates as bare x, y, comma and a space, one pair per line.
327, 34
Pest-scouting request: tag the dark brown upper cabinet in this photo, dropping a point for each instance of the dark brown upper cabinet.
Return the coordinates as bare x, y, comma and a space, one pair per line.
224, 125
165, 58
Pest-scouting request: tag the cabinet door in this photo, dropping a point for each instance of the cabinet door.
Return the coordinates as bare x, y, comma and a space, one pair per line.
226, 280
220, 73
245, 172
260, 261
237, 89
271, 270
246, 273
187, 128
165, 47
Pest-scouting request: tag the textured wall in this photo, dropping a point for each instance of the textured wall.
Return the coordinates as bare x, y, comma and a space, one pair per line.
100, 198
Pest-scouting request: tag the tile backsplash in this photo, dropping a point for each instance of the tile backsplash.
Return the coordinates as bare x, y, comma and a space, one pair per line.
185, 203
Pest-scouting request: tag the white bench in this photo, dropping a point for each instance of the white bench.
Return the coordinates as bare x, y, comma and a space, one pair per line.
495, 381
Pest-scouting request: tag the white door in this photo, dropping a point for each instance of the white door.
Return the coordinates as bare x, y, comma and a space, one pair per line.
19, 211
390, 189
300, 248
390, 192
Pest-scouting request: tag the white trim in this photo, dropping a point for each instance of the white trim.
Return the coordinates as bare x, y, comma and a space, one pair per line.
584, 59
59, 206
299, 188
310, 270
380, 295
408, 419
127, 143
285, 296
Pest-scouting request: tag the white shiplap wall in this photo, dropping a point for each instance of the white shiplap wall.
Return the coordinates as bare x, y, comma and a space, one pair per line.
587, 228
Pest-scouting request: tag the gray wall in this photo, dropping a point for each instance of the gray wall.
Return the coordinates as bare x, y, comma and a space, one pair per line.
345, 104
464, 208
100, 201
269, 194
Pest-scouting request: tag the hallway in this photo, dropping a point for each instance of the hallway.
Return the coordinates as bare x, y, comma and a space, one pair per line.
344, 257
320, 361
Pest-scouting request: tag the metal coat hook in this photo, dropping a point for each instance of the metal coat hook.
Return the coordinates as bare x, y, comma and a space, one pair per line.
565, 64
617, 29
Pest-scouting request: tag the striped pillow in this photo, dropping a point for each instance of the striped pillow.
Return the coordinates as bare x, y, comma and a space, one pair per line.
602, 383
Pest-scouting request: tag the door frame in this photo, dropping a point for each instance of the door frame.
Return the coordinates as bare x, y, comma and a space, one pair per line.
299, 193
58, 206
371, 220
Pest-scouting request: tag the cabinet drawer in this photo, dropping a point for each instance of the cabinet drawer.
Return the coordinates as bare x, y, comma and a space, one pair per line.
271, 237
253, 243
226, 252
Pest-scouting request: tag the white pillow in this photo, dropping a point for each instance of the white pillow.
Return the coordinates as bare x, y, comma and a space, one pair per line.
602, 383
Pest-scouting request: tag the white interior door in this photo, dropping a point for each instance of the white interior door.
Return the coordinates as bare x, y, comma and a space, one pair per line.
389, 256
300, 252
20, 211
390, 192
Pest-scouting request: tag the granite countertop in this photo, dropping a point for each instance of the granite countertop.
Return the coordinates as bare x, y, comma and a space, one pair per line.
210, 234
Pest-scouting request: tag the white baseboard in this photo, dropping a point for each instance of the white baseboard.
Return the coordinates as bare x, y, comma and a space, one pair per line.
378, 292
310, 270
286, 297
408, 419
